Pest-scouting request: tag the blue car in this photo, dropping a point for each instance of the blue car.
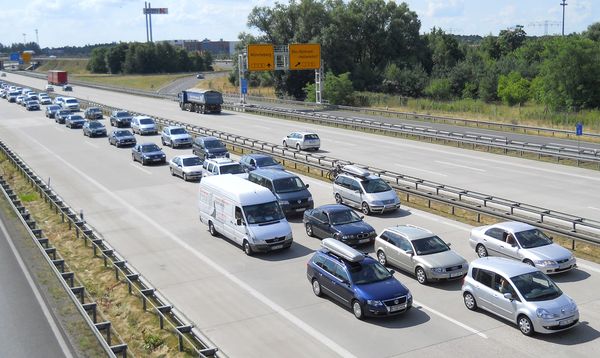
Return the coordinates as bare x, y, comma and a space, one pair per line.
357, 281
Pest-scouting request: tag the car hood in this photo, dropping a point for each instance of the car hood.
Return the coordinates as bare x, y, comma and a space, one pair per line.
294, 195
548, 252
181, 136
216, 151
193, 168
270, 230
158, 152
125, 137
382, 290
354, 228
77, 120
557, 305
386, 195
443, 259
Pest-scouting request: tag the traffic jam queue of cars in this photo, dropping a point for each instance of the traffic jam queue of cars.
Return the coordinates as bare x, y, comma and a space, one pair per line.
248, 202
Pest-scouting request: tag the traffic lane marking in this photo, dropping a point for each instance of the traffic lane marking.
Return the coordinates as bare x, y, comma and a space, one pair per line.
91, 144
140, 168
487, 135
460, 166
421, 170
450, 319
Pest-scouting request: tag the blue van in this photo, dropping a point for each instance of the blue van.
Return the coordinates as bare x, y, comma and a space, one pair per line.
291, 192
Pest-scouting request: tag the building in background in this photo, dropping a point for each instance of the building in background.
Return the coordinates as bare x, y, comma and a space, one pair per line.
218, 49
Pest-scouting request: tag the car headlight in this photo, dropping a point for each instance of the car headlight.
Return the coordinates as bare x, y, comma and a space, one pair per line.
284, 202
409, 296
545, 262
437, 269
544, 314
163, 155
310, 198
288, 236
573, 306
374, 303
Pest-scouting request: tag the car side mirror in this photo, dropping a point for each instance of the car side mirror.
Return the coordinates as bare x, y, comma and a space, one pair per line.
392, 272
410, 252
448, 244
551, 238
238, 222
508, 296
306, 186
362, 217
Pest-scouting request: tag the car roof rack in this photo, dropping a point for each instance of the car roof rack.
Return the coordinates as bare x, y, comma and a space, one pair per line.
342, 250
356, 171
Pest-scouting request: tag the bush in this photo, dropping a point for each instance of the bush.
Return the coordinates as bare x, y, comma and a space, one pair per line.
513, 89
152, 341
336, 89
439, 89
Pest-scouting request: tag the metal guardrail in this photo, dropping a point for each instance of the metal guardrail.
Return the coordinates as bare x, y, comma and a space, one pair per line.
568, 225
168, 315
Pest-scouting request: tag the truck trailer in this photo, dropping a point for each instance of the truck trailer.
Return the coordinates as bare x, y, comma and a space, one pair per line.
201, 101
58, 78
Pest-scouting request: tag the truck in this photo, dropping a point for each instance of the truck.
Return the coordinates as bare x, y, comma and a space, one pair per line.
200, 101
56, 77
243, 212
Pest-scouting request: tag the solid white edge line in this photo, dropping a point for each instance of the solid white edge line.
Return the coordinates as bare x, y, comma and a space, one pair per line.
450, 319
53, 326
139, 168
326, 341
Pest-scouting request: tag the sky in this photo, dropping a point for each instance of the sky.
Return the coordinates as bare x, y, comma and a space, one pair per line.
80, 22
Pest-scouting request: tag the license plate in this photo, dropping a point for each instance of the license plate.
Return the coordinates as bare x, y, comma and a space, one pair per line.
456, 274
565, 322
363, 241
397, 307
276, 247
157, 160
300, 209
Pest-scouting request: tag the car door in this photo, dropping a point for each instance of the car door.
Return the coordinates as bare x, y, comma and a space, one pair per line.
355, 192
404, 252
501, 305
483, 290
492, 240
331, 282
389, 248
318, 222
138, 153
178, 169
510, 248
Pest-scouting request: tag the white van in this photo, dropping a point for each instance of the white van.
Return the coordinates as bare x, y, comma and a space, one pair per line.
243, 212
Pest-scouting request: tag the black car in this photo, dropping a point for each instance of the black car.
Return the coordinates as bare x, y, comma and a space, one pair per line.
339, 222
120, 119
93, 113
74, 121
147, 153
94, 129
209, 147
61, 115
254, 161
121, 137
51, 110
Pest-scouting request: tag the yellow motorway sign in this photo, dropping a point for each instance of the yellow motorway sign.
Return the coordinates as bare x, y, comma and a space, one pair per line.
26, 56
305, 56
261, 57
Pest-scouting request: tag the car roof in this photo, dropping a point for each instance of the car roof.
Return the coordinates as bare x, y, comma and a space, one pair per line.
173, 127
187, 156
220, 161
207, 138
142, 117
359, 178
410, 232
257, 155
70, 98
505, 267
305, 132
333, 207
273, 173
147, 144
512, 226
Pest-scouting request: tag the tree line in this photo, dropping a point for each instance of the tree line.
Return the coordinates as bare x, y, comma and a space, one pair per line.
376, 45
145, 58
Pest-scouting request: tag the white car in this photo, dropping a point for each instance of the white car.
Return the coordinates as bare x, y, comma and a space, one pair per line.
302, 141
45, 100
188, 167
71, 104
219, 166
49, 88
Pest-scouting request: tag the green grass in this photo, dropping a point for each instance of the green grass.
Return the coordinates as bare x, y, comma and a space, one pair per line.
72, 66
28, 197
142, 82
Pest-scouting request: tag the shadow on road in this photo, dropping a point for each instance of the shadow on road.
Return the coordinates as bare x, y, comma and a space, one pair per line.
575, 275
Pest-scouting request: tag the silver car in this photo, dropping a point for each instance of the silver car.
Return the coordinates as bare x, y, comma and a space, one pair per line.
188, 167
523, 242
420, 252
143, 125
302, 141
175, 136
358, 188
519, 293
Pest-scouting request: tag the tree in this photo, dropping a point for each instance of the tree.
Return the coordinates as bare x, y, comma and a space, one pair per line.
336, 89
444, 49
97, 62
511, 39
439, 89
115, 58
513, 89
593, 32
407, 81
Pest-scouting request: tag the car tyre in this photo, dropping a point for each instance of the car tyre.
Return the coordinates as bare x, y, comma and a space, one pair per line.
338, 198
529, 262
365, 208
481, 251
185, 178
211, 229
144, 161
357, 309
421, 275
525, 325
298, 147
470, 302
132, 157
309, 230
381, 257
247, 248
316, 286
284, 144
172, 172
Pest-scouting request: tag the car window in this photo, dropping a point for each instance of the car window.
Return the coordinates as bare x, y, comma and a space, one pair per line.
353, 184
288, 185
536, 286
429, 245
330, 266
319, 215
496, 233
343, 217
375, 186
341, 273
502, 285
319, 261
400, 242
311, 136
192, 161
532, 238
484, 277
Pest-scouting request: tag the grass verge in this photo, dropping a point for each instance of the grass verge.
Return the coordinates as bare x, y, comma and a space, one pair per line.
141, 82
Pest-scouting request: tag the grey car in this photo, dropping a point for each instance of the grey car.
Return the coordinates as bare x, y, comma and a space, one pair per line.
419, 252
302, 141
523, 242
61, 115
252, 162
121, 137
74, 121
147, 153
120, 118
358, 188
519, 293
94, 129
143, 125
188, 167
93, 113
175, 136
209, 147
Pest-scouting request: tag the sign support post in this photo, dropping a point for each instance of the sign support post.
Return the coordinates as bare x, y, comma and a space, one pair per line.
243, 89
319, 84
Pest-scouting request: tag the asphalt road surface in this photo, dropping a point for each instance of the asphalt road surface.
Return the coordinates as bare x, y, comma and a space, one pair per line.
263, 306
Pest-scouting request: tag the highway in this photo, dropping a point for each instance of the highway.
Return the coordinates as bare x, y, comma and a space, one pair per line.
263, 306
568, 189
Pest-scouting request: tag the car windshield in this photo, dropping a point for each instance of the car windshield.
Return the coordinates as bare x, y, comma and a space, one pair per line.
94, 110
375, 185
149, 148
232, 169
122, 114
178, 131
189, 162
368, 272
122, 134
53, 107
263, 213
213, 144
71, 101
288, 185
146, 121
76, 118
96, 125
64, 112
343, 217
532, 238
266, 161
430, 245
311, 136
536, 286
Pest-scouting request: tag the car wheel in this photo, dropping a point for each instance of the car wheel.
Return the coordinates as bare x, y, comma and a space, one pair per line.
525, 325
421, 276
144, 161
162, 140
529, 262
285, 144
133, 157
365, 208
338, 198
316, 286
185, 178
357, 309
247, 248
470, 302
298, 147
211, 229
481, 251
172, 172
309, 230
381, 257
112, 124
